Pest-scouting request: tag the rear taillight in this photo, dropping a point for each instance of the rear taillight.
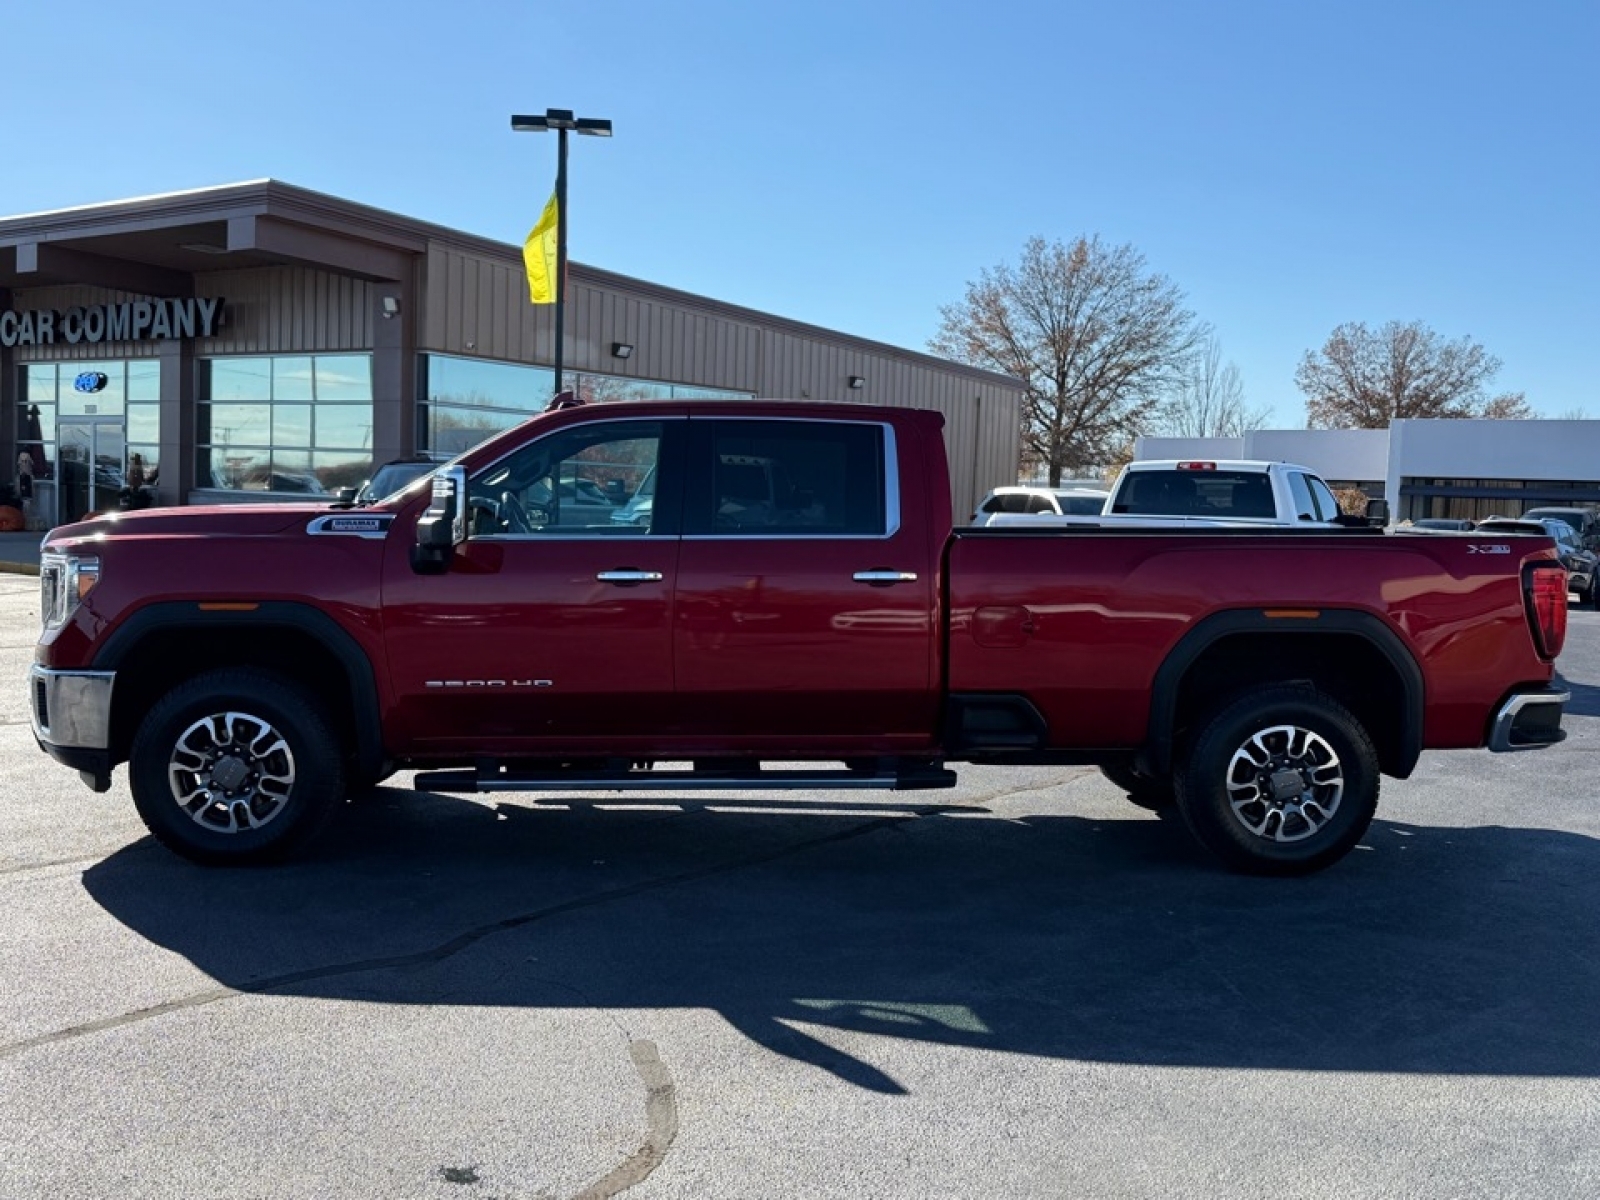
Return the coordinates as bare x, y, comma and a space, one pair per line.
1544, 585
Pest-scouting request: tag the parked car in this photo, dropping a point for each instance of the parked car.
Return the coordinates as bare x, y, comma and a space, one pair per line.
1441, 524
1056, 502
1584, 521
1582, 564
393, 477
639, 508
1174, 493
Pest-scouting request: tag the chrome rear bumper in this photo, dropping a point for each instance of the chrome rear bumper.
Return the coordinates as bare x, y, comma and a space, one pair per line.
1528, 720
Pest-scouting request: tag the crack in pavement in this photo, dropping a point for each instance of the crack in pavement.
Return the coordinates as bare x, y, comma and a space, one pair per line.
457, 944
661, 1111
661, 1117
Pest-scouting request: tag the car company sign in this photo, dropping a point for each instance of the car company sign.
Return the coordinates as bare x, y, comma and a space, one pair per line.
128, 321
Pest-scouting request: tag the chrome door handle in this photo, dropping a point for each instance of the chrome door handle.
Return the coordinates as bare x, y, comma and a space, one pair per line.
884, 578
626, 577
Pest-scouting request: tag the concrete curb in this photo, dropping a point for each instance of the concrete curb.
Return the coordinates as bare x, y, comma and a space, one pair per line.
11, 568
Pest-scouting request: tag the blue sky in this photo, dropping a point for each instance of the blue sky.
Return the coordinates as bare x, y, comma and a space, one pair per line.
1290, 166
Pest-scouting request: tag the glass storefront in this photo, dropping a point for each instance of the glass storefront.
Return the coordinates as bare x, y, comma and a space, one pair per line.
470, 399
289, 424
1475, 499
284, 423
86, 431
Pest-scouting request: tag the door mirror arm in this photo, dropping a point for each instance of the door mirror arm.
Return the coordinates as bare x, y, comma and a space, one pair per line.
443, 526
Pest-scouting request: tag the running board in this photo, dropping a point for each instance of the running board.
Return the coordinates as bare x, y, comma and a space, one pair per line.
921, 778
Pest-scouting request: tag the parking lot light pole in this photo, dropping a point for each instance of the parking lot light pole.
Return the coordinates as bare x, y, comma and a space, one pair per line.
563, 122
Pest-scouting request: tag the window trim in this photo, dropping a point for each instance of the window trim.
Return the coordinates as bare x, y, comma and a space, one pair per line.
891, 483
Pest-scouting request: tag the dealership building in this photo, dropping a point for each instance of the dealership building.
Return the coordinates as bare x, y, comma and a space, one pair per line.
1432, 468
261, 341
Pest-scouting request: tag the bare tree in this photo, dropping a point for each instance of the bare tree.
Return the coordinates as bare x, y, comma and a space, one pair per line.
1096, 340
1209, 400
1508, 406
1364, 378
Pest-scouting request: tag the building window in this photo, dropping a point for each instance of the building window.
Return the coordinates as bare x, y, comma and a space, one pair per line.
286, 423
120, 397
1475, 499
471, 399
600, 389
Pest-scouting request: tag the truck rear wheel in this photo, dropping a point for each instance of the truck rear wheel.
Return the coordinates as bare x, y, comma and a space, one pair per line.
1283, 781
234, 767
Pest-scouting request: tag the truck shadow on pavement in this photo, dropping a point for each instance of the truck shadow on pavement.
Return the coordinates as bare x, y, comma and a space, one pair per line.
1428, 950
1585, 700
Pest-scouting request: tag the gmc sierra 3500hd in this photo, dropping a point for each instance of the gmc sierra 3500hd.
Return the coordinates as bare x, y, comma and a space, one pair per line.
794, 593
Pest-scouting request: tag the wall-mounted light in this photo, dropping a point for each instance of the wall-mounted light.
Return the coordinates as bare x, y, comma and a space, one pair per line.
857, 383
621, 349
391, 306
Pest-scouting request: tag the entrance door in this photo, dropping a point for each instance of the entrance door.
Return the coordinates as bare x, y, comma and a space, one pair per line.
93, 466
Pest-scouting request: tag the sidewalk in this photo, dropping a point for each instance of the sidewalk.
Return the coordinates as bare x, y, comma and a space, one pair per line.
19, 553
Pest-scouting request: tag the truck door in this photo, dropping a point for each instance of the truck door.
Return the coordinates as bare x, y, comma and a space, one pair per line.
552, 628
805, 597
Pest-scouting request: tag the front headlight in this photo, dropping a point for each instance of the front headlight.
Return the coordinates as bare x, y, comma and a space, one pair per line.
64, 580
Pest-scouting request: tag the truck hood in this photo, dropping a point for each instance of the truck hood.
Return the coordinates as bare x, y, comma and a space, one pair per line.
228, 520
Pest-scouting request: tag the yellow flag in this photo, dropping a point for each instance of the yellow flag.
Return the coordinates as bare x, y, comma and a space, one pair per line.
539, 255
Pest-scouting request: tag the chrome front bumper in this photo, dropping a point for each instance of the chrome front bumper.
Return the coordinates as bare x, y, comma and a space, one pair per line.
1528, 720
71, 710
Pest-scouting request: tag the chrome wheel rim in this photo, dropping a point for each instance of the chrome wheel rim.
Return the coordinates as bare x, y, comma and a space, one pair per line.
231, 772
1285, 783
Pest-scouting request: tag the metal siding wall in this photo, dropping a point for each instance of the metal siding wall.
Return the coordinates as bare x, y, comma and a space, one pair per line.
273, 310
63, 298
288, 310
484, 301
981, 418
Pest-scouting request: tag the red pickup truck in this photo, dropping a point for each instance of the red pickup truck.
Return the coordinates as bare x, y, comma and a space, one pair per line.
756, 595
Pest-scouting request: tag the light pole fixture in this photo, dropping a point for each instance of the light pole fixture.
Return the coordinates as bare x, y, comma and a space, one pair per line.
563, 122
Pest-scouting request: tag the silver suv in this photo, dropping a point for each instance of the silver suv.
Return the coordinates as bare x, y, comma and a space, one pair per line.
1584, 521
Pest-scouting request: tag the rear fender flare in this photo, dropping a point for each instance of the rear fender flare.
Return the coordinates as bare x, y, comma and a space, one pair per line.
1156, 758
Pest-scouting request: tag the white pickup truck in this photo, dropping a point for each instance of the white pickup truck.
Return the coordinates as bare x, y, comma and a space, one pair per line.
1209, 492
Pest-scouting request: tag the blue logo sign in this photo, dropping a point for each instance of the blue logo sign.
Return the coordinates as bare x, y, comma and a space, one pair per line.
91, 381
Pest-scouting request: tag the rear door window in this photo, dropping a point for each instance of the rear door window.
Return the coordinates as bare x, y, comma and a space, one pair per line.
786, 478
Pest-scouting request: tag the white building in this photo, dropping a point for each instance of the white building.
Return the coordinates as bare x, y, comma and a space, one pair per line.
1433, 468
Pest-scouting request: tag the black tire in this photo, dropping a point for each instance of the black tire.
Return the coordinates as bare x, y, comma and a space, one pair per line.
1236, 786
285, 768
1154, 794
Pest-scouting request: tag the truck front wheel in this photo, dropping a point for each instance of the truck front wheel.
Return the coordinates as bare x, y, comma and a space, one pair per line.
1283, 781
234, 767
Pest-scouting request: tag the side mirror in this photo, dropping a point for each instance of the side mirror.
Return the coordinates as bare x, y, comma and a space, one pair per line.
443, 526
345, 497
1377, 511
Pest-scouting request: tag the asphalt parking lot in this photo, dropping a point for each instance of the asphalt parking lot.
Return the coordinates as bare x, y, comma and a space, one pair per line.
1026, 987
